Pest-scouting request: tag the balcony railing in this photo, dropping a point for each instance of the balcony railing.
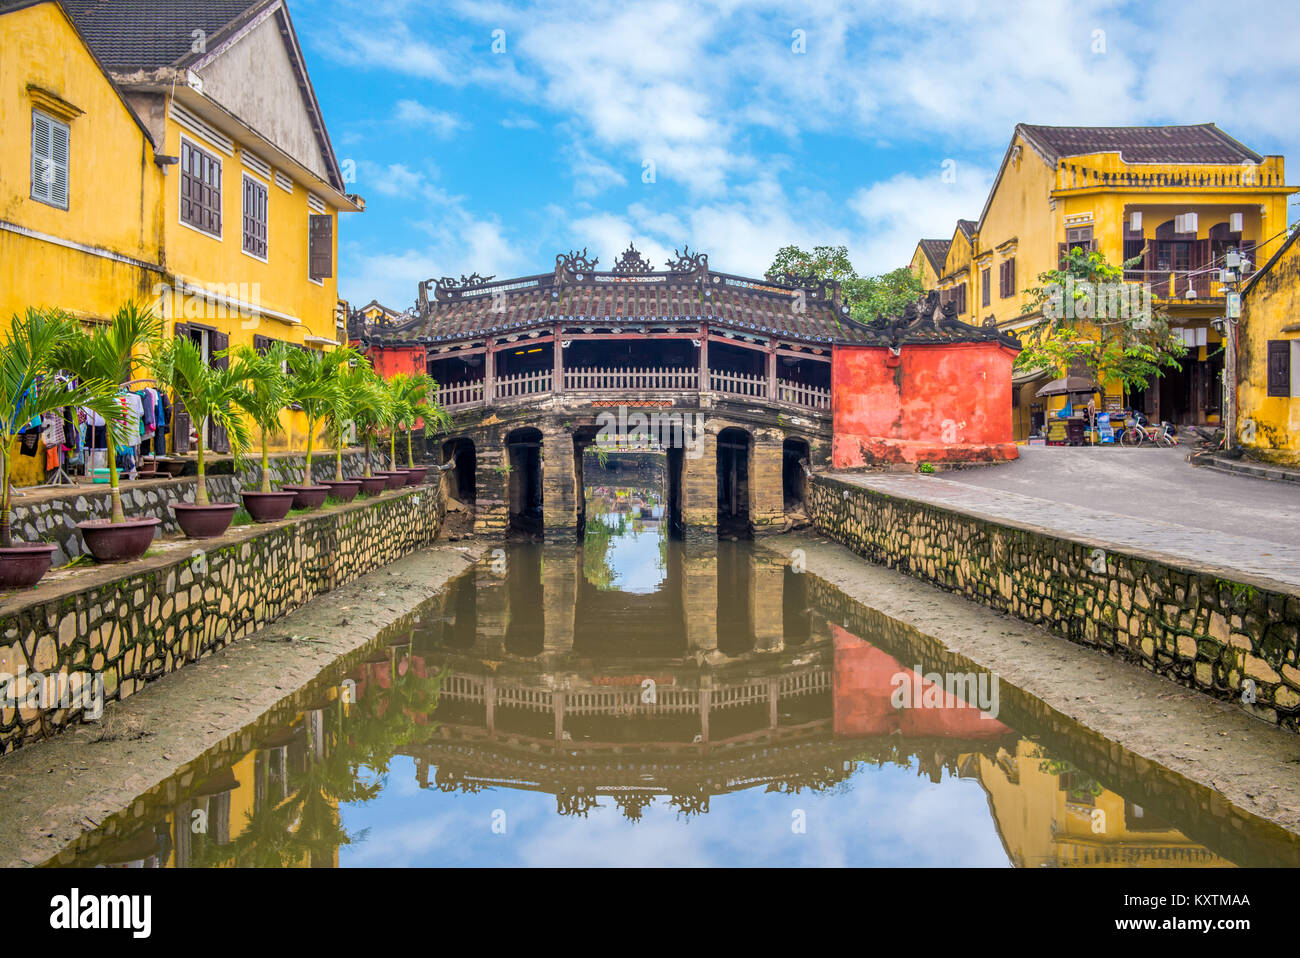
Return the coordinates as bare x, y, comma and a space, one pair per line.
1176, 284
633, 380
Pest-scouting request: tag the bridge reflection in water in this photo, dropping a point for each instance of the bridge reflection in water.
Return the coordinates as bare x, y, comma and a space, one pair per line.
583, 705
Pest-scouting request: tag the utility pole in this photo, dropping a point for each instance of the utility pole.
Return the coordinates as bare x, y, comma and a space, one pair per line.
1231, 276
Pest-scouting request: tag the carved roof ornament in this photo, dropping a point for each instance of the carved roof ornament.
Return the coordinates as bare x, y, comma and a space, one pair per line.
447, 288
574, 267
688, 262
632, 263
816, 288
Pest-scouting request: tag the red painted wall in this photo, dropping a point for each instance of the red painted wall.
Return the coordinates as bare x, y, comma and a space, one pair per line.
388, 361
941, 403
864, 688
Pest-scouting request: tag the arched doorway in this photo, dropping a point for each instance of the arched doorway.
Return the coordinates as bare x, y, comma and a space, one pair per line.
461, 481
734, 447
795, 462
524, 480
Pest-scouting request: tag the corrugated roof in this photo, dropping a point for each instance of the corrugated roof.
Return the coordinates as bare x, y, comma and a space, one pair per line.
133, 35
1203, 143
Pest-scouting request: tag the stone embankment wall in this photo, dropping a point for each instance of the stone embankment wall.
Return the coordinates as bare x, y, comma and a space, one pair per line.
136, 622
44, 515
1206, 628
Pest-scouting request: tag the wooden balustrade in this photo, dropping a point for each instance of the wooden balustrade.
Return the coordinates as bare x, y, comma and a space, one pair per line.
648, 379
634, 379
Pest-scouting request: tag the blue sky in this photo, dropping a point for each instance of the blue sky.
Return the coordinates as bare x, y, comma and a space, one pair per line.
472, 159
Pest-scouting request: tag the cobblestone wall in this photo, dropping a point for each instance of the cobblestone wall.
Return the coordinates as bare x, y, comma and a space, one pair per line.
135, 623
54, 518
1206, 629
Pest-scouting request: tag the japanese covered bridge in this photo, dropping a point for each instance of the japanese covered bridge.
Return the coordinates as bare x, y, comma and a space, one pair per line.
743, 384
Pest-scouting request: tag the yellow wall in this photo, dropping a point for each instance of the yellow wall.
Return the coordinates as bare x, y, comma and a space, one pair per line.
1269, 426
957, 270
920, 265
113, 184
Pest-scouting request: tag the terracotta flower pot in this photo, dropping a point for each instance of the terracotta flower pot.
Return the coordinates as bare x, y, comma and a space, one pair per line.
308, 497
109, 541
396, 478
173, 467
373, 485
204, 522
22, 565
344, 490
415, 475
268, 506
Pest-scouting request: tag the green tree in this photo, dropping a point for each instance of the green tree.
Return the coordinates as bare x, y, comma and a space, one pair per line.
1082, 324
29, 360
266, 393
867, 296
313, 385
109, 353
210, 394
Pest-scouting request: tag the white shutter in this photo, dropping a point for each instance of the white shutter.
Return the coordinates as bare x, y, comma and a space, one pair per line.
50, 143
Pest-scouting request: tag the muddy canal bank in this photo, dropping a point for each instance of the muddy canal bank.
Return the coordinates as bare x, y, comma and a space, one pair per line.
1250, 763
53, 791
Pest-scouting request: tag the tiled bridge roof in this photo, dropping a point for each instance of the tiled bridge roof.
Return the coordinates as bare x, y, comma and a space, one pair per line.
635, 297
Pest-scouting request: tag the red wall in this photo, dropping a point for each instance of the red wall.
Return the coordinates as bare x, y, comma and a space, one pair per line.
388, 361
933, 403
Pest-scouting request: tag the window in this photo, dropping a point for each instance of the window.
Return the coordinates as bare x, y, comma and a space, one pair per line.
1279, 367
1080, 236
320, 246
50, 140
959, 297
1007, 278
255, 198
200, 189
986, 294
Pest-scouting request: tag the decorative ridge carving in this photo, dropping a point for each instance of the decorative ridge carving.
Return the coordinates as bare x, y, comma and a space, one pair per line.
632, 263
574, 267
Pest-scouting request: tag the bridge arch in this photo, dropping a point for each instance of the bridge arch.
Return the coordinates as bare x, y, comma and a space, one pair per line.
734, 459
524, 479
463, 475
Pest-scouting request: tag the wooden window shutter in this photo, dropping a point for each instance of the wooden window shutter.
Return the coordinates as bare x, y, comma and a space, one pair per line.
986, 280
1011, 276
1061, 250
1279, 367
217, 436
320, 254
261, 343
50, 147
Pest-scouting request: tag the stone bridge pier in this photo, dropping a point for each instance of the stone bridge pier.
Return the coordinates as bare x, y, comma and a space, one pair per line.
725, 475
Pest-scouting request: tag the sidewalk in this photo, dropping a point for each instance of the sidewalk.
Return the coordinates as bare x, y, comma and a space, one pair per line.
1245, 467
1200, 529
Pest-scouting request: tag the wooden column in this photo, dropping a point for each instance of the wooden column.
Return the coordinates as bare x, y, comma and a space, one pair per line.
771, 372
489, 371
557, 366
704, 359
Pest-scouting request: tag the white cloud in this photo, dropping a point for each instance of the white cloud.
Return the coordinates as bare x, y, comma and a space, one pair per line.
414, 113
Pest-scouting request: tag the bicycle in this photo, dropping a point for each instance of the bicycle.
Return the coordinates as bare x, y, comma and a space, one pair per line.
1139, 432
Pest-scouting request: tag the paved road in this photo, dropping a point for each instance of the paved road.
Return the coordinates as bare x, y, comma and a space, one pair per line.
1149, 499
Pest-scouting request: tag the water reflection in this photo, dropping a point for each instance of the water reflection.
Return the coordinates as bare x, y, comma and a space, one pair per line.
583, 705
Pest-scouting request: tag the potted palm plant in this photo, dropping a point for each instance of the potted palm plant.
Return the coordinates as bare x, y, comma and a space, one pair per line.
29, 388
109, 353
351, 382
213, 395
398, 411
370, 403
419, 407
313, 386
264, 397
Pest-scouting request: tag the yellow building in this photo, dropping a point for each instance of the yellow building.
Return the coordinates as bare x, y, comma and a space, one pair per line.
189, 169
956, 282
928, 261
1175, 197
1268, 351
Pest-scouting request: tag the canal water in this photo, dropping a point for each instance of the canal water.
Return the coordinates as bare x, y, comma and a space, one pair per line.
636, 700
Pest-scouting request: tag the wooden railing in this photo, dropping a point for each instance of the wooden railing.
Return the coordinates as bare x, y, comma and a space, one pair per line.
797, 394
634, 379
648, 379
738, 384
460, 394
522, 384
